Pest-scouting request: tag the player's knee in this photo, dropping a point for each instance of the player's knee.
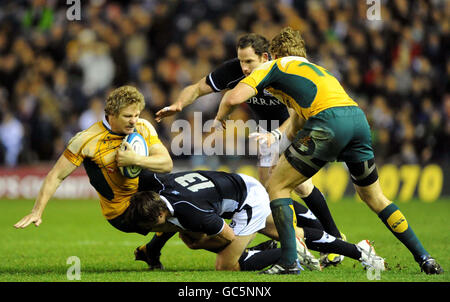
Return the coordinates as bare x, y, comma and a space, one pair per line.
363, 173
376, 203
304, 189
373, 197
224, 265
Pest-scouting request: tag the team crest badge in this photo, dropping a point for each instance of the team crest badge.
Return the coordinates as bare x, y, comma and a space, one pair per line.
305, 144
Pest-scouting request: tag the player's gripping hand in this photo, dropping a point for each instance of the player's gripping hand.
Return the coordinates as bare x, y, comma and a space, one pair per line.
266, 138
126, 156
167, 111
27, 220
219, 125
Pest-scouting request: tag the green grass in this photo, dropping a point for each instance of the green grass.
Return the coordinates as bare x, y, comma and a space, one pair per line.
77, 228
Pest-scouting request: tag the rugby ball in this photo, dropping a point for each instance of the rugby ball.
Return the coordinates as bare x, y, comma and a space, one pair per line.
139, 145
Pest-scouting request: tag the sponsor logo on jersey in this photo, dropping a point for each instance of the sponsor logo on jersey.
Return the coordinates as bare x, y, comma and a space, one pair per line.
263, 101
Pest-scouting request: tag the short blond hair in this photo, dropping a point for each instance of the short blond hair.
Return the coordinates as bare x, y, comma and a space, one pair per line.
288, 42
123, 97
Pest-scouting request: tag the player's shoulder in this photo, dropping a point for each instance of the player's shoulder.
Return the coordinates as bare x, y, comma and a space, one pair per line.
232, 64
225, 76
266, 66
284, 62
84, 136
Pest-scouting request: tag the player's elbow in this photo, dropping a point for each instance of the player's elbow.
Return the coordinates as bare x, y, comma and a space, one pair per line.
232, 98
168, 166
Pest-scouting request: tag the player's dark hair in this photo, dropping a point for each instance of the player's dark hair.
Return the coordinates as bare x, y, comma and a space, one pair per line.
259, 44
145, 207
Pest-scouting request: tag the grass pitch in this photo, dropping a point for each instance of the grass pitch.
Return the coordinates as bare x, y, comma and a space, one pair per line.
77, 228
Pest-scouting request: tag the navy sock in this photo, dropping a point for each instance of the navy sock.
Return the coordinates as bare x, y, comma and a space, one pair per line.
320, 241
305, 217
258, 260
156, 244
317, 204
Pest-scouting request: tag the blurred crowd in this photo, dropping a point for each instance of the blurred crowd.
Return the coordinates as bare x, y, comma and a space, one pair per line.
55, 72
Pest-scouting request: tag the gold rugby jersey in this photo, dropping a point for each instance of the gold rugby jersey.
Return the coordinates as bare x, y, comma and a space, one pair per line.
299, 84
96, 148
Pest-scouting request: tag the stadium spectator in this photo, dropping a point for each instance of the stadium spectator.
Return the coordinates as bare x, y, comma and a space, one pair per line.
92, 115
401, 57
11, 136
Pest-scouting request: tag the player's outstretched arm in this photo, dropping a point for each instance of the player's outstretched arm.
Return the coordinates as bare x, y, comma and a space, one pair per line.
57, 174
232, 98
187, 96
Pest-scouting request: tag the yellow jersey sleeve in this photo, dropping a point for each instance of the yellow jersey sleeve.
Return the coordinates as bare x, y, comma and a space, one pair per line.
76, 150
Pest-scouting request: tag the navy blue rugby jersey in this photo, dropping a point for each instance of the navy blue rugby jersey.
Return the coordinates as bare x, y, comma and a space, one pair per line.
200, 199
264, 106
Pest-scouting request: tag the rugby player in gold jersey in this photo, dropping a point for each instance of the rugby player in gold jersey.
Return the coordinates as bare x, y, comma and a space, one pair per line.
98, 148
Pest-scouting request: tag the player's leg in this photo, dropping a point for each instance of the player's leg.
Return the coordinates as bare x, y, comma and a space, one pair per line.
252, 218
263, 174
360, 161
267, 159
151, 252
282, 181
283, 208
316, 202
318, 240
396, 222
304, 216
228, 258
322, 242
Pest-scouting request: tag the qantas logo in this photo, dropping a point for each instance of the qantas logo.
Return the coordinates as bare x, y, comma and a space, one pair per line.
395, 225
397, 222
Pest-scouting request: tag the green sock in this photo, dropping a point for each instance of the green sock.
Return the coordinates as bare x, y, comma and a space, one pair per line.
283, 216
396, 222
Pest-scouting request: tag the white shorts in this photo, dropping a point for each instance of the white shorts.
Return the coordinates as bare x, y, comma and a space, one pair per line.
254, 211
267, 156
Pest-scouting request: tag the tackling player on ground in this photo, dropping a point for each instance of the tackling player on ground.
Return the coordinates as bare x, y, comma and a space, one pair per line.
199, 201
